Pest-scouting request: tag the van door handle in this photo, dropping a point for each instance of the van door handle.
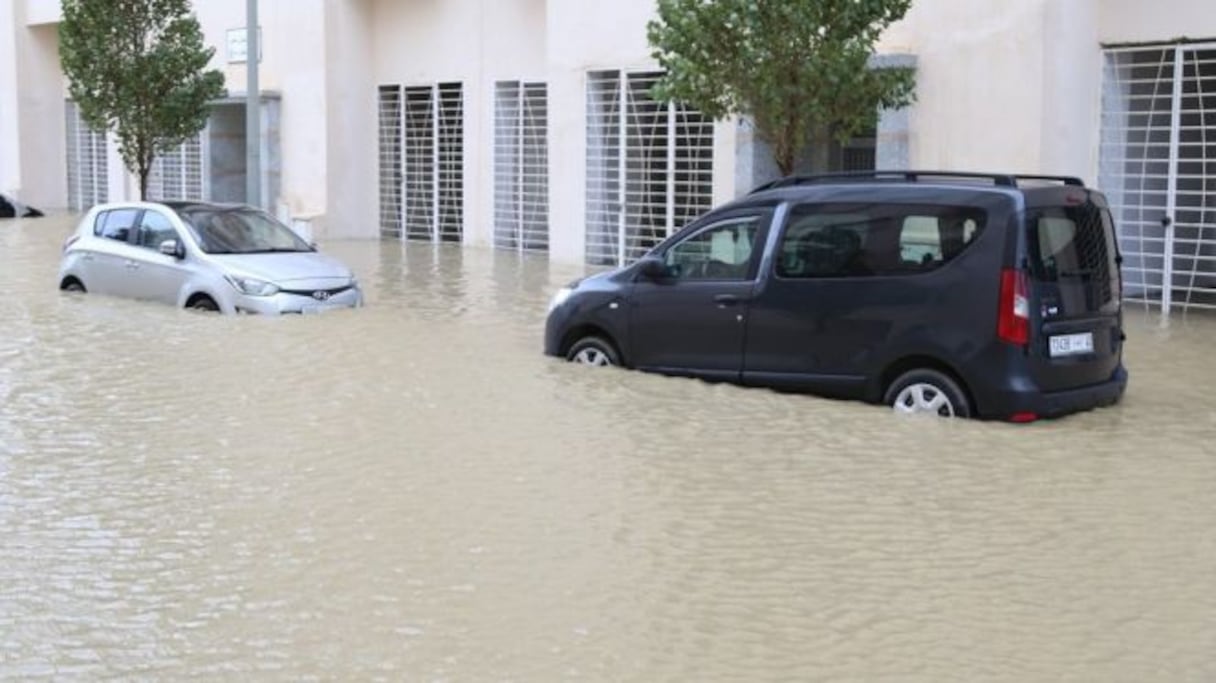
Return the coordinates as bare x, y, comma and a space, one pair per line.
724, 300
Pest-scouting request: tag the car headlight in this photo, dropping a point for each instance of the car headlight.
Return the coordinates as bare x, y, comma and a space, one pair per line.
560, 297
252, 287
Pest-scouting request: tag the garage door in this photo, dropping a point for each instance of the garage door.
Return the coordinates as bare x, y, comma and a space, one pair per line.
649, 166
181, 173
88, 171
421, 133
1158, 167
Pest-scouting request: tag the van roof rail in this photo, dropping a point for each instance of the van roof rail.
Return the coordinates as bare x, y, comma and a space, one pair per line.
998, 179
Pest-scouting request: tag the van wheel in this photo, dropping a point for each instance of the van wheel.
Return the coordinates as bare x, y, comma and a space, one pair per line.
594, 351
927, 392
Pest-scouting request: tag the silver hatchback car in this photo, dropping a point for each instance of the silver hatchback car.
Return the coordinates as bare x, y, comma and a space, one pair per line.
229, 258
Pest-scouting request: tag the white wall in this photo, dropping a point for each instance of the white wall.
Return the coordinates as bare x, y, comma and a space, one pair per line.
979, 83
293, 35
41, 108
476, 42
10, 132
1017, 85
41, 11
584, 35
351, 163
1130, 21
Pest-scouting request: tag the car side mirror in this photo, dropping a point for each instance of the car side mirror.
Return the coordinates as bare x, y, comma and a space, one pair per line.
173, 248
653, 267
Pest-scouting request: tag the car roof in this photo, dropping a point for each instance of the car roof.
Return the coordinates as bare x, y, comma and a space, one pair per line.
906, 183
174, 204
962, 178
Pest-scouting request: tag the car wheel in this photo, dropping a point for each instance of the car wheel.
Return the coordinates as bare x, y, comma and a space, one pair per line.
73, 286
927, 392
594, 351
204, 303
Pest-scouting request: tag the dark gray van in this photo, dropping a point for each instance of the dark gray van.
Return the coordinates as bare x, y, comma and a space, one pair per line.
954, 294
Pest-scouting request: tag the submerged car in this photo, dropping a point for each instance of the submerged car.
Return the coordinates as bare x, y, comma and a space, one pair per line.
229, 258
952, 294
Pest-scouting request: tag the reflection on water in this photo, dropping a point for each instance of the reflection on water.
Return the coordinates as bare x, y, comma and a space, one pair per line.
412, 492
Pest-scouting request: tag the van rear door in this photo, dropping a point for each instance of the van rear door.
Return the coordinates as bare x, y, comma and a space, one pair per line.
1075, 290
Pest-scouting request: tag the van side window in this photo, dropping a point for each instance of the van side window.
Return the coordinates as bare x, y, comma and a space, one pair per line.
116, 224
860, 240
722, 251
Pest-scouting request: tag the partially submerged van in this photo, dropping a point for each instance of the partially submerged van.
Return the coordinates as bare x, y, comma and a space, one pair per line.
952, 294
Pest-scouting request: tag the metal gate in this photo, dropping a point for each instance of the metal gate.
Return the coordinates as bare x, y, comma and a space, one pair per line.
1158, 167
421, 136
521, 166
181, 173
88, 169
649, 166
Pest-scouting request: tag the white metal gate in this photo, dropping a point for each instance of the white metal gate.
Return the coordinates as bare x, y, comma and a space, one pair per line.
521, 166
181, 173
649, 166
391, 179
88, 169
1158, 168
421, 135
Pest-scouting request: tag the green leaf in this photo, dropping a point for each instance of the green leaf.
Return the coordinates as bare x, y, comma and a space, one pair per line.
798, 68
138, 68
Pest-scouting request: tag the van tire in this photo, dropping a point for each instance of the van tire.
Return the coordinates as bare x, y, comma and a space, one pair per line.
595, 351
925, 391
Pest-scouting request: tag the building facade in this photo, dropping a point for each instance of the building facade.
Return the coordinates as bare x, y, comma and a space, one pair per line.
527, 124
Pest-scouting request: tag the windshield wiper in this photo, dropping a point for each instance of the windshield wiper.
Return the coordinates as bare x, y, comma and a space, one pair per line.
277, 250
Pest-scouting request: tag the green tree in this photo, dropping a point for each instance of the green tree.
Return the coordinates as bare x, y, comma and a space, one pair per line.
138, 68
798, 68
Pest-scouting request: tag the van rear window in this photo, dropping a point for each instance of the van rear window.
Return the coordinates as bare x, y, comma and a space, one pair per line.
1074, 246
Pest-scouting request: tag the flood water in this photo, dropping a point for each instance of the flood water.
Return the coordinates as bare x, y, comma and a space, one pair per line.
411, 491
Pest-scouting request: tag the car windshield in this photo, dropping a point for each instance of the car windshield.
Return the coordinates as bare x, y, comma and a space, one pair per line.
240, 231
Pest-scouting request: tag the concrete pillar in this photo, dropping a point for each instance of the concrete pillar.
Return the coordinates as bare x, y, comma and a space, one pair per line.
10, 133
893, 146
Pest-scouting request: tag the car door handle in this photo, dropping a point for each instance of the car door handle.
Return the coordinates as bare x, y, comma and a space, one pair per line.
88, 257
132, 265
724, 300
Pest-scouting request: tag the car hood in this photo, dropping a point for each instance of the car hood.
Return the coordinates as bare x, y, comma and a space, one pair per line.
284, 266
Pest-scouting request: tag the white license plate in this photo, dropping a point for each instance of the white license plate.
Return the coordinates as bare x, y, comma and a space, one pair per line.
315, 310
1072, 344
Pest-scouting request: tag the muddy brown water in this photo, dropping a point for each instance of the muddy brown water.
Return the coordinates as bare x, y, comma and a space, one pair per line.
412, 492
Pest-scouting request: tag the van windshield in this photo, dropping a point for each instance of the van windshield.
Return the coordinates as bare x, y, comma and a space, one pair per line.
1073, 255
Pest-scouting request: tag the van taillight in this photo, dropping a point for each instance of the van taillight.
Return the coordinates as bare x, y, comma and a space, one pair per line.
1013, 318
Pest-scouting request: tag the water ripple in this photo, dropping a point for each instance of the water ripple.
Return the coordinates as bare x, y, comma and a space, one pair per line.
410, 491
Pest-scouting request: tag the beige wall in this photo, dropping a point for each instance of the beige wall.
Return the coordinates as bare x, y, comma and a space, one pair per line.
10, 131
351, 148
583, 36
32, 164
41, 103
1017, 85
1133, 21
979, 82
1002, 85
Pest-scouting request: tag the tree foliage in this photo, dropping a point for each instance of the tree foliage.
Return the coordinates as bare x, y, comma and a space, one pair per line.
138, 68
798, 68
